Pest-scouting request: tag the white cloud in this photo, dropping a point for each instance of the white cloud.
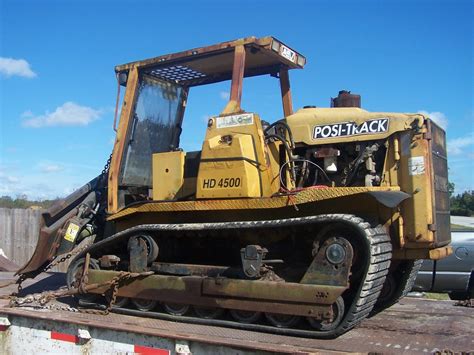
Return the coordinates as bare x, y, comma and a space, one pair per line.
225, 95
8, 179
39, 186
50, 168
12, 179
16, 67
456, 146
69, 114
438, 117
7, 182
70, 189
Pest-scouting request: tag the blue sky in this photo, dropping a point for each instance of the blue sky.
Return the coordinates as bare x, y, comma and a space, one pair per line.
57, 83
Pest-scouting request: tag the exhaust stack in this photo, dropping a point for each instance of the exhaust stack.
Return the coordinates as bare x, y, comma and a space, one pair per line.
345, 99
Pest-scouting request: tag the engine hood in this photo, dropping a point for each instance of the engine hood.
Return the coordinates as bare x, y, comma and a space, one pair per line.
331, 125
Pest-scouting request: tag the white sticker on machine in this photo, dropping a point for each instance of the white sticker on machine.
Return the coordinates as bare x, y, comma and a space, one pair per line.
344, 129
234, 120
287, 53
416, 166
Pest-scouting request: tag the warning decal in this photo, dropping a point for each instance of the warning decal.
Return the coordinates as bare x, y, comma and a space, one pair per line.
416, 166
234, 120
71, 232
345, 129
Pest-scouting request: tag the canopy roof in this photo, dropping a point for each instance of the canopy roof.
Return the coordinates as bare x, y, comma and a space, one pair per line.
214, 63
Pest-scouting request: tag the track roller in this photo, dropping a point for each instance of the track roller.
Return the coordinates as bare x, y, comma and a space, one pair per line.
144, 305
208, 312
282, 320
247, 317
176, 309
119, 301
329, 324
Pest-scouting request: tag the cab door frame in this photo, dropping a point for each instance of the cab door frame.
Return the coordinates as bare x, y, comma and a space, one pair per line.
120, 140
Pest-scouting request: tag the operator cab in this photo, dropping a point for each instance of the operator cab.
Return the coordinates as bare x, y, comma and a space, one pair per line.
147, 162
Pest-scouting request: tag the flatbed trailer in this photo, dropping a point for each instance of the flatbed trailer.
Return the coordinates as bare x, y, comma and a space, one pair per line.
412, 326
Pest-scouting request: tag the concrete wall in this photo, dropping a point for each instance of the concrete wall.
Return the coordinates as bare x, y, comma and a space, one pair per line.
19, 230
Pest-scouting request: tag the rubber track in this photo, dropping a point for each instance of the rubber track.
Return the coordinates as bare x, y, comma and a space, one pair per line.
405, 284
376, 240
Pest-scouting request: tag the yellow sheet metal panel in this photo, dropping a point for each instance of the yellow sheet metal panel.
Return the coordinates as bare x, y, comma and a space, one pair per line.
168, 175
226, 169
391, 162
301, 197
274, 157
425, 253
347, 124
234, 159
416, 179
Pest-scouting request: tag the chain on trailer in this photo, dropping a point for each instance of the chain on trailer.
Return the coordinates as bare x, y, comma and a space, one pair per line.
44, 299
23, 277
55, 262
41, 300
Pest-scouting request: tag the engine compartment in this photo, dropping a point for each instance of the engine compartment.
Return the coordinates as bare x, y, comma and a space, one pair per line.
342, 165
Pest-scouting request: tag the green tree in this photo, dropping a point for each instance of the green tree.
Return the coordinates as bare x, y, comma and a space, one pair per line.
451, 187
463, 204
22, 201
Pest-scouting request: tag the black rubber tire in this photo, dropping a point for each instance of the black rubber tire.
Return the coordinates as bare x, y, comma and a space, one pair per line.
388, 290
404, 278
458, 295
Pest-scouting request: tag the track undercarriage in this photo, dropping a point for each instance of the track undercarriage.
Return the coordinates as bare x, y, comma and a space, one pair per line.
315, 276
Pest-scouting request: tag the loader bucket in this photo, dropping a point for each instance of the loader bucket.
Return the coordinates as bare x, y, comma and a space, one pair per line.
52, 221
